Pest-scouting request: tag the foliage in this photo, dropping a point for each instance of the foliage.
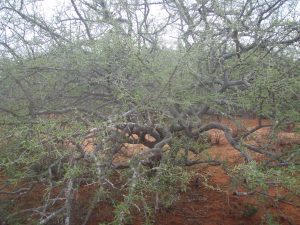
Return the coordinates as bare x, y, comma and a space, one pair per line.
269, 220
259, 178
77, 88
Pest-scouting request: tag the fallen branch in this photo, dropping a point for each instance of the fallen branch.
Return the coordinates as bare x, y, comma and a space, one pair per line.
210, 162
52, 215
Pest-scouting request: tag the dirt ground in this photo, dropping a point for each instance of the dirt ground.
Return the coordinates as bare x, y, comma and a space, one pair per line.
202, 205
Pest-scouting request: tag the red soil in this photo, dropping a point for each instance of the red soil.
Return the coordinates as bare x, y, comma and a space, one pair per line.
201, 204
207, 206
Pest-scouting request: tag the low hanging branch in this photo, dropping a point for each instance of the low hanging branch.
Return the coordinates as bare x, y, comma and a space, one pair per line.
163, 136
236, 142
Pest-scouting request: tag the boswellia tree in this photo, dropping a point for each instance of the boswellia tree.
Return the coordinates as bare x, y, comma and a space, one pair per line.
79, 85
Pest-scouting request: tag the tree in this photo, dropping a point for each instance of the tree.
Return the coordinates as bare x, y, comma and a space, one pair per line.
100, 71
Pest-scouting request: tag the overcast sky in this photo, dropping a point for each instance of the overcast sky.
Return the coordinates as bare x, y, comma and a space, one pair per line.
170, 38
51, 4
